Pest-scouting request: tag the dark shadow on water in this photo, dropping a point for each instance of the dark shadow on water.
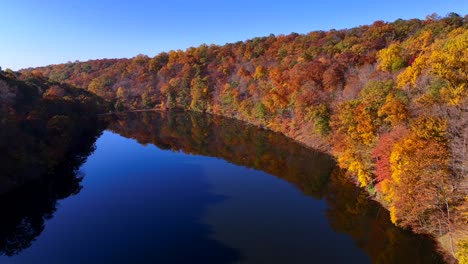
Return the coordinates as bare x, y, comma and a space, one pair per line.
43, 143
41, 177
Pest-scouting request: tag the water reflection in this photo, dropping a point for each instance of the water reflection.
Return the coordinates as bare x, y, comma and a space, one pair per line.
231, 140
352, 212
145, 205
42, 147
349, 211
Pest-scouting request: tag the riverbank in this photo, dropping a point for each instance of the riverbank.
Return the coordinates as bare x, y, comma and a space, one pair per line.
387, 100
315, 142
446, 242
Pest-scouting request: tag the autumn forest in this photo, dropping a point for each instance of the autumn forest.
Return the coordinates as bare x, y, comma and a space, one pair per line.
388, 101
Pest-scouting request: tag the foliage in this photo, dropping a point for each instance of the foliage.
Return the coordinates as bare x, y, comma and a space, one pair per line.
462, 253
383, 150
419, 161
47, 130
390, 58
385, 99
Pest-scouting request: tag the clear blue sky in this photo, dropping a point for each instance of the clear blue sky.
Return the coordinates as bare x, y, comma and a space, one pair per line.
34, 33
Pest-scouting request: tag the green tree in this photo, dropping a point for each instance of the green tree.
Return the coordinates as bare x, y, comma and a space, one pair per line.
200, 94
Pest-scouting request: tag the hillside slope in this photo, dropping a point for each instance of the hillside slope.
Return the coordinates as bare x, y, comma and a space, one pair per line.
42, 124
388, 100
47, 130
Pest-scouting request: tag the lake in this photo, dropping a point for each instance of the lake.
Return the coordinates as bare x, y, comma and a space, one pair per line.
191, 188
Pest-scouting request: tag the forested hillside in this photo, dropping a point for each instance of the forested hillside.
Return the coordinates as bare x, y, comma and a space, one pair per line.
42, 124
47, 130
388, 100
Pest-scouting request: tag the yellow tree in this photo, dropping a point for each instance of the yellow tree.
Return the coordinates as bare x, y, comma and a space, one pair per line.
394, 110
446, 59
449, 61
420, 183
391, 58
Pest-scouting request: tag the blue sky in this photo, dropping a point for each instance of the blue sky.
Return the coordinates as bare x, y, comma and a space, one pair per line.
35, 33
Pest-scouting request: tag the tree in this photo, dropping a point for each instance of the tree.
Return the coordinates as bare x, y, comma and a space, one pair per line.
449, 61
260, 72
420, 185
394, 110
121, 93
200, 94
383, 150
391, 58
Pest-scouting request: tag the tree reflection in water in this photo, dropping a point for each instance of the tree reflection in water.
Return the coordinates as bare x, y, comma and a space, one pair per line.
55, 160
350, 210
41, 151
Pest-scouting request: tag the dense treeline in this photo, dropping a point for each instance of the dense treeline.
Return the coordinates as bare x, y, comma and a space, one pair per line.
388, 100
40, 124
47, 130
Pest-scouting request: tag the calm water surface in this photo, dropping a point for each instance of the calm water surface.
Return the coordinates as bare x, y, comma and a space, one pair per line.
189, 188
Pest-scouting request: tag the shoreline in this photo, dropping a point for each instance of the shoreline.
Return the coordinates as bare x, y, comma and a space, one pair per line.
442, 248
